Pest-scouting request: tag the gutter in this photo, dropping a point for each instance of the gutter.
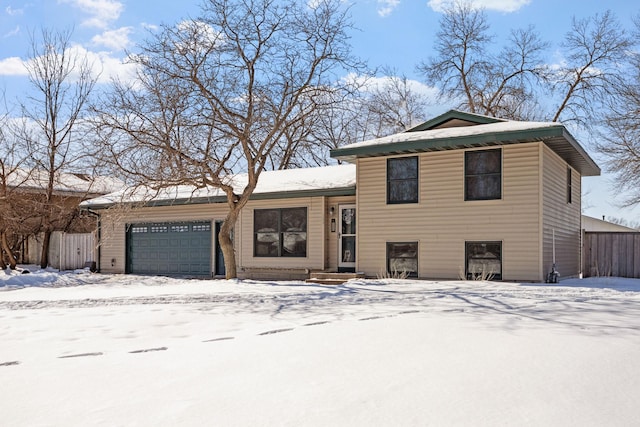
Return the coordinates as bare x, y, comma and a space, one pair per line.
99, 236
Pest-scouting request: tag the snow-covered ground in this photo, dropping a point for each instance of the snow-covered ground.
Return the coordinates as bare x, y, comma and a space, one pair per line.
82, 349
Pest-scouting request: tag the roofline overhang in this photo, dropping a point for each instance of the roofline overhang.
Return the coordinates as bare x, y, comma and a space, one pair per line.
343, 191
584, 164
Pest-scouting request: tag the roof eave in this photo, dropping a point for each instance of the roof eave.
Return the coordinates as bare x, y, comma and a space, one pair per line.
328, 192
448, 143
556, 137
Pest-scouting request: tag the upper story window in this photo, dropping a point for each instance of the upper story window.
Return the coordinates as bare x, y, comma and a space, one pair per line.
402, 180
280, 232
483, 174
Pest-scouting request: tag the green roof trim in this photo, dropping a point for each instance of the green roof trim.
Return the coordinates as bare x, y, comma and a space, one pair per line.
555, 136
453, 115
449, 143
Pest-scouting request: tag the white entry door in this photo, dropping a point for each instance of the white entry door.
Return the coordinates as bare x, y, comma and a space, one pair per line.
347, 238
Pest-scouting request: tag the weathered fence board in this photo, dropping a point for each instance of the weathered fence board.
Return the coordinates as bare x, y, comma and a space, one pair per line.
67, 251
611, 254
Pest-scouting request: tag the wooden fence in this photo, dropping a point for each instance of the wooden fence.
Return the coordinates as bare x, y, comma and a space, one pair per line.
611, 254
67, 251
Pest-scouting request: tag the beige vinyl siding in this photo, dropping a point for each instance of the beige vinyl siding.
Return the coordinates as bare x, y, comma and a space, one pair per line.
115, 220
316, 224
559, 215
442, 220
113, 233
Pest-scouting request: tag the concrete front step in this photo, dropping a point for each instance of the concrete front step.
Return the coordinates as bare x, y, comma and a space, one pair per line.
329, 278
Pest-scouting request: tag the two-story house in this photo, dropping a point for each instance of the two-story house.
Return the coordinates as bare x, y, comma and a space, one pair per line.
461, 195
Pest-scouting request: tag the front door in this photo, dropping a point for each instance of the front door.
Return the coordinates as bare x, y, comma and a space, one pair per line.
347, 238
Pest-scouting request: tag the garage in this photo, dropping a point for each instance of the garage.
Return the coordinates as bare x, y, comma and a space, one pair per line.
169, 248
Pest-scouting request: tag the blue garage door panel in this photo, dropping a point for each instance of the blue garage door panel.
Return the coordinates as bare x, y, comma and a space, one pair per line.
170, 248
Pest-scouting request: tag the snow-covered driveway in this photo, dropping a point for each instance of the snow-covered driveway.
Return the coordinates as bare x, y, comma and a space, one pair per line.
85, 349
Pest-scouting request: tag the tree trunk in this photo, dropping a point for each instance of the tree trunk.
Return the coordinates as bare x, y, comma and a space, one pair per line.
226, 244
3, 264
44, 256
5, 247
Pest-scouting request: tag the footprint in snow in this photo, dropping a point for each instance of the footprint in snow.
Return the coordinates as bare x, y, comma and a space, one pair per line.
276, 331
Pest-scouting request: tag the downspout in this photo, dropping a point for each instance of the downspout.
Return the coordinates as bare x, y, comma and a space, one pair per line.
553, 274
99, 237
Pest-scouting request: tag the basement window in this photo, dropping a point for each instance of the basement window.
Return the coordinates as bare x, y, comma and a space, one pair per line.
484, 260
402, 257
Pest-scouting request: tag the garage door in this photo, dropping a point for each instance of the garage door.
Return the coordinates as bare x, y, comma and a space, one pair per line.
169, 248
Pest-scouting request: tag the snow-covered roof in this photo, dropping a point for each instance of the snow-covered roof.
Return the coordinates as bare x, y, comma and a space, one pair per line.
271, 184
596, 224
452, 132
37, 180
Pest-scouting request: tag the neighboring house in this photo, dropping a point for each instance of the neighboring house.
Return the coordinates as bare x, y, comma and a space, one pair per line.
590, 224
461, 195
609, 249
69, 189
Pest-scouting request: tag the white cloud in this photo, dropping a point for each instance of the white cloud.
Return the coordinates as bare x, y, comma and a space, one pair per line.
385, 7
12, 32
101, 12
104, 65
150, 27
369, 84
12, 66
13, 12
198, 35
498, 5
115, 40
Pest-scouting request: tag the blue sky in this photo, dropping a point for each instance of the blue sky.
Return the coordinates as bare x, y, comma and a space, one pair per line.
395, 33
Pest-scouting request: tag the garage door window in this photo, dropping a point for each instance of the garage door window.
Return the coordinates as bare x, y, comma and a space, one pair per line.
280, 232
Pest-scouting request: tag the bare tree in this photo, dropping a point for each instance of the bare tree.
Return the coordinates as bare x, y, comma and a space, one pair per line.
394, 105
374, 107
19, 212
7, 168
225, 93
460, 46
466, 71
516, 82
61, 81
593, 48
620, 135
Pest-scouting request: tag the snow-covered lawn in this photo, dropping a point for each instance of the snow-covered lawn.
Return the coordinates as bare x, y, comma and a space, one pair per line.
81, 349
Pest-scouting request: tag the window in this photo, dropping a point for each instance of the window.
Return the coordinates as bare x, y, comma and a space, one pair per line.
201, 227
179, 228
403, 258
402, 180
280, 232
483, 174
484, 260
159, 229
569, 185
139, 229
